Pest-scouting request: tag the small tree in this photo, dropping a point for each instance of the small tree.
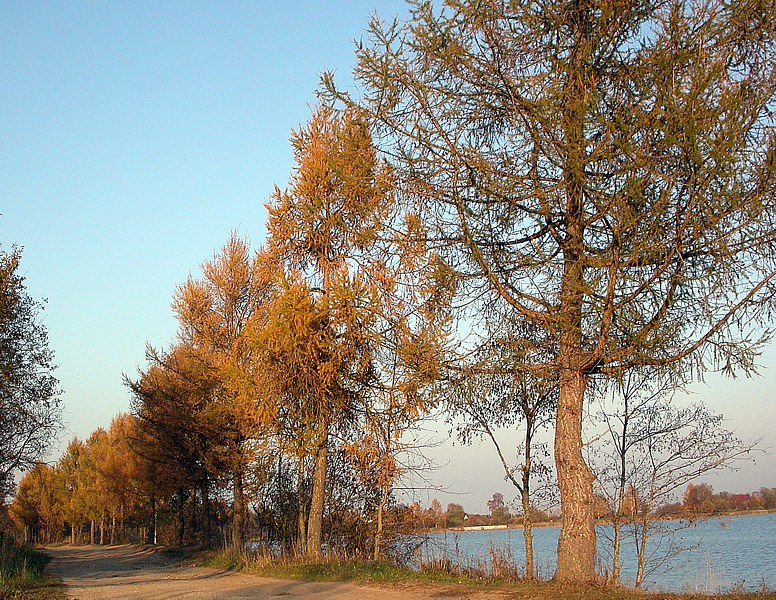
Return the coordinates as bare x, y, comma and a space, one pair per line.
454, 515
493, 393
655, 449
497, 501
633, 395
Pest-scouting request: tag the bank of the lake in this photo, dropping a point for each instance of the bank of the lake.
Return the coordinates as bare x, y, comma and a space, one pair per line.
713, 555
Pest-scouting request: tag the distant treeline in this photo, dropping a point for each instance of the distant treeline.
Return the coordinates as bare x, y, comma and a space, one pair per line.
102, 491
699, 499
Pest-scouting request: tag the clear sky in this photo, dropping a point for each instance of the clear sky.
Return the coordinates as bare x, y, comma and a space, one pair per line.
135, 136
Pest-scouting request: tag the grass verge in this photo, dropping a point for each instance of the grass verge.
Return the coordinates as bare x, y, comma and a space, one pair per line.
22, 573
442, 579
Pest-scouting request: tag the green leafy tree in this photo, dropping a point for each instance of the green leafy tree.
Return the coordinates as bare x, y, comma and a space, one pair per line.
604, 169
455, 515
30, 404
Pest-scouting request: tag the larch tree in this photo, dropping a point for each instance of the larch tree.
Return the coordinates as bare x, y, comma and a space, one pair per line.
328, 215
32, 509
604, 168
299, 366
179, 436
213, 313
70, 488
411, 292
128, 477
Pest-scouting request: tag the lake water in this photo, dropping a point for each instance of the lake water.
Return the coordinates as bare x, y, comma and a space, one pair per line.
710, 556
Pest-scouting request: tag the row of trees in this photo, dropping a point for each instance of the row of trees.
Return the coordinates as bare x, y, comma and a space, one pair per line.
325, 341
99, 487
104, 491
698, 499
701, 499
571, 203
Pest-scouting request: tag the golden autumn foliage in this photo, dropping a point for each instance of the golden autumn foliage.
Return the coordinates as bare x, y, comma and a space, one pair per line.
297, 370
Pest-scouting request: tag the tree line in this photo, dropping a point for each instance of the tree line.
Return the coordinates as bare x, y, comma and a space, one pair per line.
530, 210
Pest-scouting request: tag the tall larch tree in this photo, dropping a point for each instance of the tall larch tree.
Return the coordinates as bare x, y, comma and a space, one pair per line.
213, 313
328, 215
605, 168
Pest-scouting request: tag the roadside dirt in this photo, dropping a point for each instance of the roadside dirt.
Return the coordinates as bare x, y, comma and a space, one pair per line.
91, 572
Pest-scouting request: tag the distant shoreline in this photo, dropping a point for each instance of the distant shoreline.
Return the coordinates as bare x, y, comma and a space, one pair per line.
557, 523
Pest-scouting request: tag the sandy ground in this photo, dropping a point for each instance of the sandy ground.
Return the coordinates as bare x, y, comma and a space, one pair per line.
91, 572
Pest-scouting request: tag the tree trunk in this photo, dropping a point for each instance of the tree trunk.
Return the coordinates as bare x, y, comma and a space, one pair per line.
206, 509
315, 521
151, 533
530, 570
301, 531
641, 552
91, 532
113, 529
102, 531
576, 544
617, 526
181, 517
379, 533
238, 516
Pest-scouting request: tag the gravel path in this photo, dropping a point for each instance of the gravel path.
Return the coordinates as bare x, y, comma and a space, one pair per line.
91, 572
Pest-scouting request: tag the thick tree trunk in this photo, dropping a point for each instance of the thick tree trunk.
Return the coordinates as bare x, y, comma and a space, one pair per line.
576, 544
92, 527
315, 521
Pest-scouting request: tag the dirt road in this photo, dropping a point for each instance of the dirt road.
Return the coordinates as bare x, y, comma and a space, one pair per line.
91, 572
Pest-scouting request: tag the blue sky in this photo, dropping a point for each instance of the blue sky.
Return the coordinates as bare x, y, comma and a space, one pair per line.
135, 136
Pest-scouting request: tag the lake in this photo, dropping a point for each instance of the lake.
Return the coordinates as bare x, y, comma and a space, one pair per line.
712, 555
